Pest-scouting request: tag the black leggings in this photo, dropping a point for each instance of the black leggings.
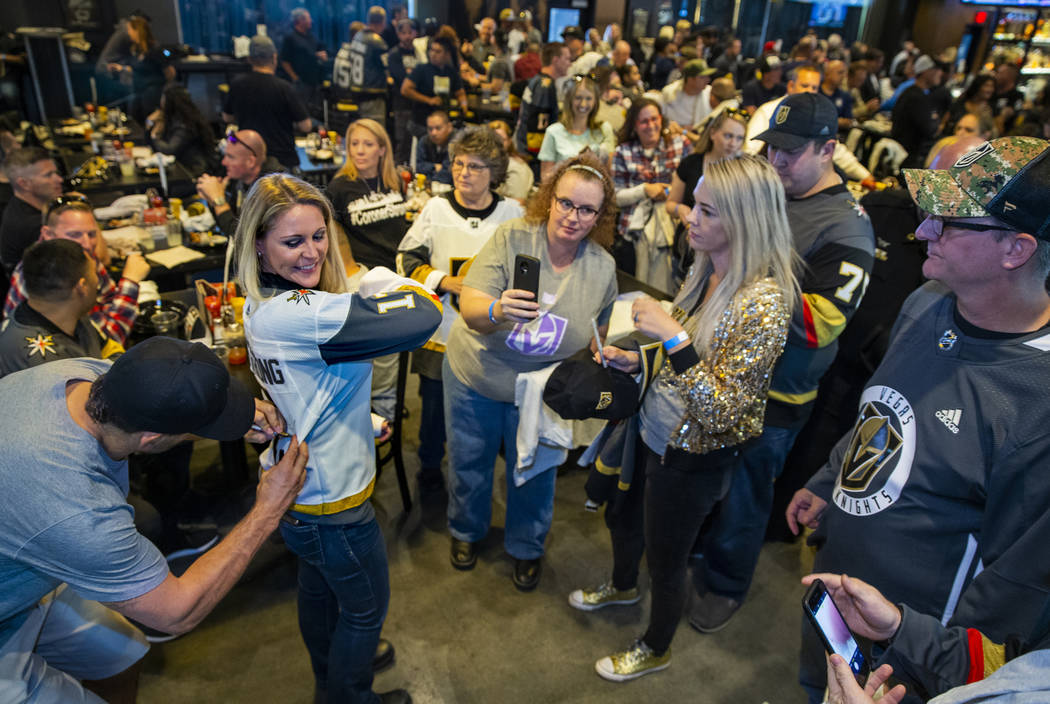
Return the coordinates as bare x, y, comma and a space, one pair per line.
680, 490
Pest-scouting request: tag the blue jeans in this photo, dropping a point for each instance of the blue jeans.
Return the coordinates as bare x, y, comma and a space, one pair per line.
475, 426
735, 537
344, 590
431, 424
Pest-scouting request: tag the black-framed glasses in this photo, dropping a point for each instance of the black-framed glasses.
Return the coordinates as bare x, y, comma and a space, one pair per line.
584, 212
938, 224
63, 201
232, 139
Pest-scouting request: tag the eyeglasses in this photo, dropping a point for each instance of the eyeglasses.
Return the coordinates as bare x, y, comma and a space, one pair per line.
937, 224
473, 168
232, 139
71, 200
584, 212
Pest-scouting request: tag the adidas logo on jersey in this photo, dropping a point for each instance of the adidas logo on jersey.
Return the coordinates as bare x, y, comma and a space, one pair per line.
950, 419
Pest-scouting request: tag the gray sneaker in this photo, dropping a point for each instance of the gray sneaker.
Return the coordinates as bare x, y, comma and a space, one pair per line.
712, 612
602, 595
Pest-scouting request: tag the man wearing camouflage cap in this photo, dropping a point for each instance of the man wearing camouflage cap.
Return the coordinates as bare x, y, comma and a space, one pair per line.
939, 495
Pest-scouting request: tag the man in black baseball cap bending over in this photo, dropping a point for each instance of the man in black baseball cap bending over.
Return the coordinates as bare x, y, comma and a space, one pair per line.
72, 564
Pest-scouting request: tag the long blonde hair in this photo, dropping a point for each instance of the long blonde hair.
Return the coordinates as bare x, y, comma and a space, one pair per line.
749, 197
269, 198
566, 118
387, 172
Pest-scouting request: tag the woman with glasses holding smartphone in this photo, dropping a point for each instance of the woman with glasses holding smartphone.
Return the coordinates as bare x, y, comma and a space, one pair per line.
503, 332
643, 166
436, 251
707, 395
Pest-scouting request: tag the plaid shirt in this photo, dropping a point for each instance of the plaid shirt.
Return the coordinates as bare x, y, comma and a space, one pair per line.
114, 312
631, 167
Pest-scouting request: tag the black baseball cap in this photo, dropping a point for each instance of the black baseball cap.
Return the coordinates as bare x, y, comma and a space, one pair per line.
801, 118
164, 385
572, 32
581, 388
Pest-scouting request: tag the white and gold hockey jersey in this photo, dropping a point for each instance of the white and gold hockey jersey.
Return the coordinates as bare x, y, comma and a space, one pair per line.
443, 238
312, 352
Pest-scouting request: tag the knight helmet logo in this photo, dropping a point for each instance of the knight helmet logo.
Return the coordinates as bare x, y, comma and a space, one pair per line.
875, 442
782, 114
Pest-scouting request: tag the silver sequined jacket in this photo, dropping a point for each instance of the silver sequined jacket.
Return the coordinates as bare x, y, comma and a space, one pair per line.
725, 395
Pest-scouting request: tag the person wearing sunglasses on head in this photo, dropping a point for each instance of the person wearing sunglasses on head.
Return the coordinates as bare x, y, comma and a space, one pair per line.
245, 158
116, 306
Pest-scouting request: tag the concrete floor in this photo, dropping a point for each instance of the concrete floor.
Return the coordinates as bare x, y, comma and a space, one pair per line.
471, 637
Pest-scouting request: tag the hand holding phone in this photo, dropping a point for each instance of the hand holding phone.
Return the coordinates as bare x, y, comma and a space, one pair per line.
527, 274
821, 611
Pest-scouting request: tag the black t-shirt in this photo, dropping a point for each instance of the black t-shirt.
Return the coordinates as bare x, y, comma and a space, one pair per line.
915, 123
689, 170
300, 50
373, 218
19, 229
399, 63
431, 80
270, 106
756, 94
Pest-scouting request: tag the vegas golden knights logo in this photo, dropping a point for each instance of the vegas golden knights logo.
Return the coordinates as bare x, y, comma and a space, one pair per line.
874, 444
878, 459
782, 114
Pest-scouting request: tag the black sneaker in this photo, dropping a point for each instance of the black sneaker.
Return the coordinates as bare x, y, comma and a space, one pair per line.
395, 696
463, 555
384, 656
527, 574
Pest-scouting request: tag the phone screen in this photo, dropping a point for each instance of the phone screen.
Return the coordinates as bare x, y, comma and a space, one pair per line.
836, 632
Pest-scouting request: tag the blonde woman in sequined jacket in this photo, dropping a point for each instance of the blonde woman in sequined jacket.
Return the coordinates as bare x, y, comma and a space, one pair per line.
708, 396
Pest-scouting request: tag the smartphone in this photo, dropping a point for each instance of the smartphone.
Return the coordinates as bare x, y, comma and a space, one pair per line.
527, 274
825, 617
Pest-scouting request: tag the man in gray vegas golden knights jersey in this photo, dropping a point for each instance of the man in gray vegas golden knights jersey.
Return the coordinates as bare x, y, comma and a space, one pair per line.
939, 495
359, 74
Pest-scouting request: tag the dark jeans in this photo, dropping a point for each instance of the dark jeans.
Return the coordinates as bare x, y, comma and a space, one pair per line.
344, 590
431, 424
625, 520
680, 491
734, 539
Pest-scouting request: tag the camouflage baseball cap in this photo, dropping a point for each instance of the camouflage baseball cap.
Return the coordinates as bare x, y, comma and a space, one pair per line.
1007, 178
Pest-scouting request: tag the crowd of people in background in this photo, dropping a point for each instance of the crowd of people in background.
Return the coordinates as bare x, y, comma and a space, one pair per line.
772, 198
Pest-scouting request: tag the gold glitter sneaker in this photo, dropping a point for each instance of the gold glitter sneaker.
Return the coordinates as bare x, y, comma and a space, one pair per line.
603, 595
638, 660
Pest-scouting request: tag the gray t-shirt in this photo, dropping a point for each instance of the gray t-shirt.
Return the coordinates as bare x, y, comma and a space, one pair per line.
489, 363
64, 508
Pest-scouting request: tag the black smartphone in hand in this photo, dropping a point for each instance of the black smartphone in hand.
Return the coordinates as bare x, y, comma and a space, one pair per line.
838, 638
527, 274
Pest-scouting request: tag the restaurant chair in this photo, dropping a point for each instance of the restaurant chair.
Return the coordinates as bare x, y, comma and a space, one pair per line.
392, 446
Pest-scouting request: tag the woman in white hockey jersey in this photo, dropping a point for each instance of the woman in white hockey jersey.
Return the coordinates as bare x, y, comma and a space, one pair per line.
436, 251
311, 345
